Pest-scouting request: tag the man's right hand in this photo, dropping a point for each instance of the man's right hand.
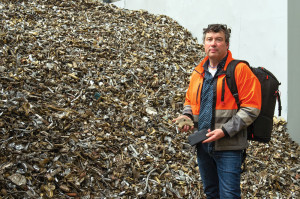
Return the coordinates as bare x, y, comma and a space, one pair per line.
184, 123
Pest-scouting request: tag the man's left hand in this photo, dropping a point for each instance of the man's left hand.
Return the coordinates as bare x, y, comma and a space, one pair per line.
214, 135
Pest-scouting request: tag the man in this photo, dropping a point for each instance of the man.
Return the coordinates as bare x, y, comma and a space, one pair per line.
210, 104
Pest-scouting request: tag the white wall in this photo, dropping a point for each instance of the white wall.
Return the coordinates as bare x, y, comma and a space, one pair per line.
259, 28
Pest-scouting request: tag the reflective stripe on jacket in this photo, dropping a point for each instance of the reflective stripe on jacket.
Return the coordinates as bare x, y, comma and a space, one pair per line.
225, 113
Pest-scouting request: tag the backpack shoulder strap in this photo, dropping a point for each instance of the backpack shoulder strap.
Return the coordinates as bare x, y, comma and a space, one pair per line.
230, 79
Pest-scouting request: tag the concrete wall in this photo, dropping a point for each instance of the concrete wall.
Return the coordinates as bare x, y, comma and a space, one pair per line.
259, 28
293, 69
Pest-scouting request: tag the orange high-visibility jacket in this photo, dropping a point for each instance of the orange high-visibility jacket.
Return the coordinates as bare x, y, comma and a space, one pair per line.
226, 115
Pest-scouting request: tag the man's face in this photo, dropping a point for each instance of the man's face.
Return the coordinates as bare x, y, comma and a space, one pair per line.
215, 45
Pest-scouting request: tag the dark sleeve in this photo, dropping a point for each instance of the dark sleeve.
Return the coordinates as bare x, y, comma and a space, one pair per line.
189, 115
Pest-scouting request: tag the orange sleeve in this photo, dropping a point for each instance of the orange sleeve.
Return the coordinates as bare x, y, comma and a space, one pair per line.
249, 87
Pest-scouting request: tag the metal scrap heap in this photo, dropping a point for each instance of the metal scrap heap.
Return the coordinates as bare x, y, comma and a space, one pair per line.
87, 95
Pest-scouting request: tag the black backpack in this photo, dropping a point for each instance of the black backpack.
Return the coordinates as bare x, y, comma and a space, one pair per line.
261, 129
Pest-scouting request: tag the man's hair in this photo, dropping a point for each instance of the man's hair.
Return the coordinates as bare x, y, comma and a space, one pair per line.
217, 28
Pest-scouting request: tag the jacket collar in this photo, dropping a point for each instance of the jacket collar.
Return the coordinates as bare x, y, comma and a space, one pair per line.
200, 67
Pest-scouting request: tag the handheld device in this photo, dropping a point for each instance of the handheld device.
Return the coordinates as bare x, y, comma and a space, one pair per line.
197, 137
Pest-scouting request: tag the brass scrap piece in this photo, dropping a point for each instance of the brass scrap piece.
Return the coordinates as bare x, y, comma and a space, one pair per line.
181, 122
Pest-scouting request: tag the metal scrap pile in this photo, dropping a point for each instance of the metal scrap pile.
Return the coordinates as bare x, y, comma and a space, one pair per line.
87, 95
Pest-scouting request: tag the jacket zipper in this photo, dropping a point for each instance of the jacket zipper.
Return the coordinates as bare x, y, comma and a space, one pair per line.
202, 74
223, 90
198, 93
